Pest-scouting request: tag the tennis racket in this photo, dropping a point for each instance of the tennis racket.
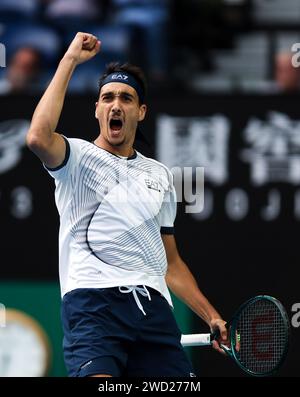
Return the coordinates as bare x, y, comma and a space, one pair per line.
258, 333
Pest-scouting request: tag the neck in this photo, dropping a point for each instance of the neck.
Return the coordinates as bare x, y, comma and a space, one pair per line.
123, 149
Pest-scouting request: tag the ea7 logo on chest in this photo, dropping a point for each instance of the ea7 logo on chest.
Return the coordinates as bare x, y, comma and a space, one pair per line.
119, 76
152, 185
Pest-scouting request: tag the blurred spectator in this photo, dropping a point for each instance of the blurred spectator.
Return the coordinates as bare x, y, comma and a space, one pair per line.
148, 20
11, 9
72, 12
79, 8
43, 38
287, 77
23, 72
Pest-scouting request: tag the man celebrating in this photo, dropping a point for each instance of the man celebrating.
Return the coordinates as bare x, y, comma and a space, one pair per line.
117, 248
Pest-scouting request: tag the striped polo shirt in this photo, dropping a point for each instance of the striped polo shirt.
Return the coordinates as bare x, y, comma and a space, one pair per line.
113, 211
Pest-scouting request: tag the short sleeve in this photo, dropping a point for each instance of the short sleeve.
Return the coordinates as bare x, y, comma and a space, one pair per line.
67, 167
168, 212
65, 175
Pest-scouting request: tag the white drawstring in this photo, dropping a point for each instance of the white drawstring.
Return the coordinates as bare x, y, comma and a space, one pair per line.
133, 288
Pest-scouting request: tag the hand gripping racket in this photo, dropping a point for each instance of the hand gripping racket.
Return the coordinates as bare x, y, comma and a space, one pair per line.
258, 333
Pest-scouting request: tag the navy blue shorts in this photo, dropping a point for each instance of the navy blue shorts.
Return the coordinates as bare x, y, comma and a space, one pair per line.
105, 332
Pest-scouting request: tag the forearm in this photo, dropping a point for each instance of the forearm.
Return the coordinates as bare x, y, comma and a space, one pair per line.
49, 146
48, 111
183, 284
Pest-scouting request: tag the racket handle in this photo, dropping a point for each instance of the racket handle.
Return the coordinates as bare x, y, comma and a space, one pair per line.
196, 340
200, 339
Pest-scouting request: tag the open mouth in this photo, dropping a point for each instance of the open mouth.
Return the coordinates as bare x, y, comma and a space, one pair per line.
115, 125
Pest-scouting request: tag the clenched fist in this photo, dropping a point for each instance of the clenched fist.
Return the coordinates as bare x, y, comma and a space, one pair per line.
84, 47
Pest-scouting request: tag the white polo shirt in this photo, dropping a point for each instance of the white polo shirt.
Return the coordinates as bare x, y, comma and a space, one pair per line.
112, 211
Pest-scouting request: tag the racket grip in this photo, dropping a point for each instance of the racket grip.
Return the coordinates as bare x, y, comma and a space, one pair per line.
196, 340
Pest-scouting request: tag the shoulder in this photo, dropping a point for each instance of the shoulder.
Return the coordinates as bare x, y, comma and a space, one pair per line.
77, 142
158, 171
81, 147
156, 166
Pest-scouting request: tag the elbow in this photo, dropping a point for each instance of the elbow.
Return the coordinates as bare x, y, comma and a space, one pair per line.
31, 140
34, 141
171, 281
169, 274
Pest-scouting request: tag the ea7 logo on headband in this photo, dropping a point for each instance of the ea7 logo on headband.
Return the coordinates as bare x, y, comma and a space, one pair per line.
122, 77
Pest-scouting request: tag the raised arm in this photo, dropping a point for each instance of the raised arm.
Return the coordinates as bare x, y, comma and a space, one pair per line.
183, 284
42, 139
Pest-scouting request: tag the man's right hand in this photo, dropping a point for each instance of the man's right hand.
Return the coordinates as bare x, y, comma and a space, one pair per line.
84, 47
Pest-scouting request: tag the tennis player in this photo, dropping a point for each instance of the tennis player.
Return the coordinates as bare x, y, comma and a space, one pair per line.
118, 254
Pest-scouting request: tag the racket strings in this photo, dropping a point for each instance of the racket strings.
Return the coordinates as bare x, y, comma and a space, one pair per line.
261, 337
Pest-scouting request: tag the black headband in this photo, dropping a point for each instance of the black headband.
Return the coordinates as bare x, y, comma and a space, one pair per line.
125, 78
